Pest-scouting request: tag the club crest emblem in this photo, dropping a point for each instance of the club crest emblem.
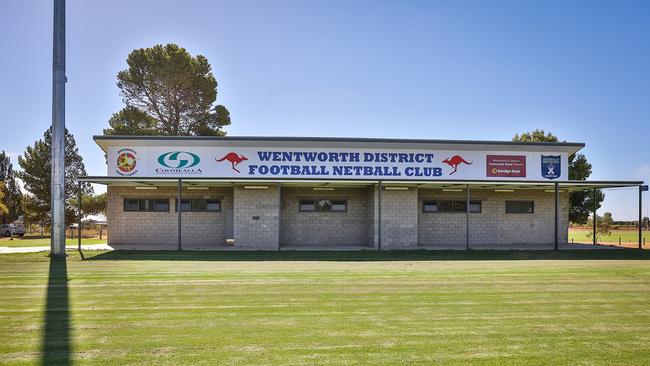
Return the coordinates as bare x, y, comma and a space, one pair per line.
126, 162
551, 166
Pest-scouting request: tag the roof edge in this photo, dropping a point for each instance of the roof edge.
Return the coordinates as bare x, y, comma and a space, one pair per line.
335, 139
411, 181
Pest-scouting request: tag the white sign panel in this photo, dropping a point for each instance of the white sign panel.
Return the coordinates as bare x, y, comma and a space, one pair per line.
334, 164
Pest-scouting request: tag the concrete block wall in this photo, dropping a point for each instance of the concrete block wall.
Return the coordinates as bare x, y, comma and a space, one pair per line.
349, 228
159, 229
399, 219
493, 226
444, 228
257, 218
404, 225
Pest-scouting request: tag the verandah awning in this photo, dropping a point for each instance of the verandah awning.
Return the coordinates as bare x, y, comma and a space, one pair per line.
575, 185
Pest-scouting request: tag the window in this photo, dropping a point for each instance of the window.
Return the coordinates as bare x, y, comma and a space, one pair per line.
520, 207
144, 205
131, 205
450, 206
199, 205
213, 205
307, 206
161, 205
323, 205
339, 206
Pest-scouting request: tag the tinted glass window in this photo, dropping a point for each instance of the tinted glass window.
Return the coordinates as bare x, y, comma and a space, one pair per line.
520, 207
430, 206
161, 205
451, 206
445, 206
475, 206
339, 206
199, 205
323, 205
186, 205
131, 205
307, 206
459, 206
213, 205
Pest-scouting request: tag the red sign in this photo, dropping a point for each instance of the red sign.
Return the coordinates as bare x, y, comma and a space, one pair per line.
505, 166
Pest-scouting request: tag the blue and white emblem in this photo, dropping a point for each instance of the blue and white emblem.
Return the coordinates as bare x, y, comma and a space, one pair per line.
551, 166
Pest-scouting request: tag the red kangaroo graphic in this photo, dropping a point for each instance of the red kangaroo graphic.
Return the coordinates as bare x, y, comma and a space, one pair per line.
234, 159
455, 161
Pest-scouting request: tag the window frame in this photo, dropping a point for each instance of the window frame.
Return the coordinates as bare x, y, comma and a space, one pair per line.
532, 207
303, 203
451, 203
191, 202
144, 204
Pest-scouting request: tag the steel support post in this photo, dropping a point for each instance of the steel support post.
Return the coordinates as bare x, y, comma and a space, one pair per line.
179, 206
467, 220
79, 217
557, 213
381, 188
595, 217
640, 217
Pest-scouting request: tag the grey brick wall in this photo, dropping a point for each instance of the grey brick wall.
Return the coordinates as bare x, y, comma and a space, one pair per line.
493, 226
399, 224
200, 229
351, 228
404, 225
257, 218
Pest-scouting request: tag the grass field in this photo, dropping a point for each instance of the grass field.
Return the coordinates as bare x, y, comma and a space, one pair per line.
627, 236
317, 308
37, 242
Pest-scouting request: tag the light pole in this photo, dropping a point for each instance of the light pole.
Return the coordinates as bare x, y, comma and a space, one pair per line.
57, 239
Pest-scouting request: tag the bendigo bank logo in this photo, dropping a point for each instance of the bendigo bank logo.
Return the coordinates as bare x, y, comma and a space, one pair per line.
126, 162
455, 161
178, 162
234, 160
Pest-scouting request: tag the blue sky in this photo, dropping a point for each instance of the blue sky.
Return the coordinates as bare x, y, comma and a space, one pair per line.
404, 69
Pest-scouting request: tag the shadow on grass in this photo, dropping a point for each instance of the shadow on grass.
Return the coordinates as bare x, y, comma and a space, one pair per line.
56, 335
367, 255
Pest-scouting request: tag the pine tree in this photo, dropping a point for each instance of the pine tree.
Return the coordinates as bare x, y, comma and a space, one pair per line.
36, 163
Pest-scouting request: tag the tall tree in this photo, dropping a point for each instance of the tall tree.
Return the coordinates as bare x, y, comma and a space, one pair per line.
168, 92
3, 206
582, 202
91, 204
36, 163
13, 195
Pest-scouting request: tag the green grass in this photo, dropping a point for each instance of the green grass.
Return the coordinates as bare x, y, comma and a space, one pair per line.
627, 236
20, 242
318, 308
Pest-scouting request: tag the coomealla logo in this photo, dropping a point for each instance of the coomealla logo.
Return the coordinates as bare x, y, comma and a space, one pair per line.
178, 162
126, 162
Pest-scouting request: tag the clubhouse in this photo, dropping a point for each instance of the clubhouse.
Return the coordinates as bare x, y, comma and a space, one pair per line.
275, 193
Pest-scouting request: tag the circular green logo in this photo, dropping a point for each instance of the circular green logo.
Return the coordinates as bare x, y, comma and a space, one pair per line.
178, 159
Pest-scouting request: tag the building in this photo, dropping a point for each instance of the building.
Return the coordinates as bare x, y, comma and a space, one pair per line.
272, 193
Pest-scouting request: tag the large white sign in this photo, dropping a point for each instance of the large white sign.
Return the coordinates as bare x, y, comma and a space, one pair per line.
334, 164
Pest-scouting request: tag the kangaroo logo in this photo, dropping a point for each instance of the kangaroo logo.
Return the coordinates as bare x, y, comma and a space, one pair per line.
234, 159
455, 161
